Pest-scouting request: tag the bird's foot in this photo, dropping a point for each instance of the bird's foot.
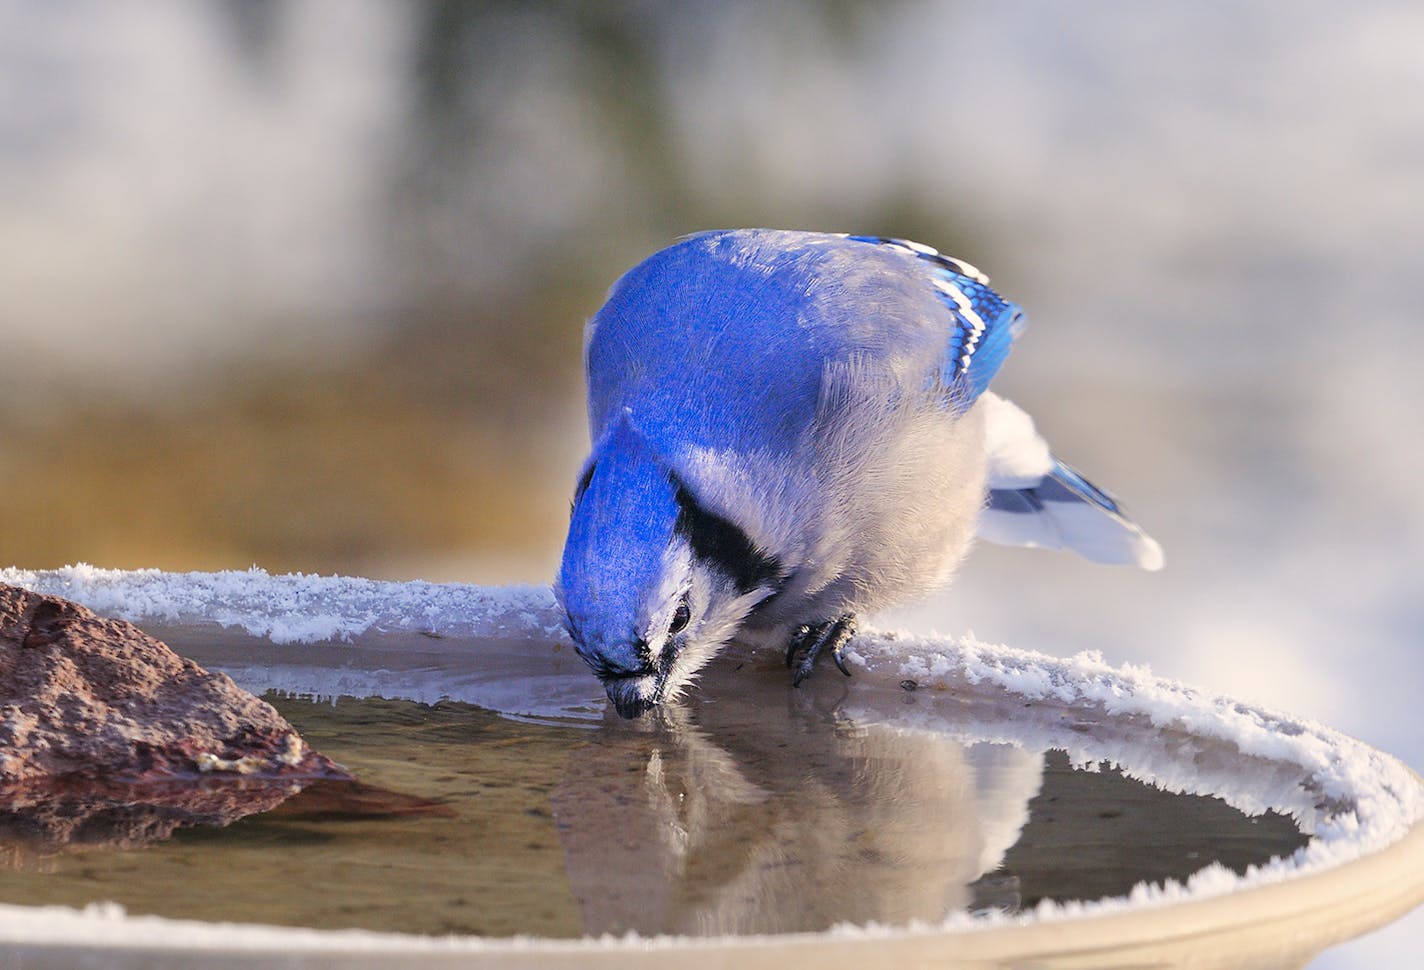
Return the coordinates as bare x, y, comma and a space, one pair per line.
833, 634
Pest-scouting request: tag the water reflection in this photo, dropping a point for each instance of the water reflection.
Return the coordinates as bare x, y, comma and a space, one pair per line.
784, 830
748, 809
747, 815
36, 828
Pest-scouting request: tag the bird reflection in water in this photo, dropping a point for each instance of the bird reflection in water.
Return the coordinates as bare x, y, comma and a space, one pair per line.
748, 814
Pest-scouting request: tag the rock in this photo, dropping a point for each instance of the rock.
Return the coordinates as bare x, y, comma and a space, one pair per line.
46, 820
92, 702
330, 800
35, 827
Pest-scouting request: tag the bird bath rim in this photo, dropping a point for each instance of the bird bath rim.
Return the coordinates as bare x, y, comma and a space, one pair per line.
1352, 876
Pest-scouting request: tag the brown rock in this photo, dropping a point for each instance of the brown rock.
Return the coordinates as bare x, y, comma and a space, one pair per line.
51, 818
92, 702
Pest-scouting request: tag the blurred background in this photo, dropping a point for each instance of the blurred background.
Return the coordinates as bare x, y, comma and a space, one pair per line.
301, 283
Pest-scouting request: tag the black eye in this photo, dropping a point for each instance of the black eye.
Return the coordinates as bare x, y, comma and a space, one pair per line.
680, 618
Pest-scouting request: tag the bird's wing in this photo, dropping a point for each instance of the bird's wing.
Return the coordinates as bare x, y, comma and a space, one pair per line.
983, 324
723, 340
1036, 500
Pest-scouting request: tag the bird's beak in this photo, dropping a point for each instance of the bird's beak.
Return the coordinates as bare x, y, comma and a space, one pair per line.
634, 696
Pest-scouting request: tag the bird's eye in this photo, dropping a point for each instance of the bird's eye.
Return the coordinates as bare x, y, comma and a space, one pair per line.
680, 618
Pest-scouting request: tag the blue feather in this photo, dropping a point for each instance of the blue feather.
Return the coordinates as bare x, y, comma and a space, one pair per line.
623, 518
984, 323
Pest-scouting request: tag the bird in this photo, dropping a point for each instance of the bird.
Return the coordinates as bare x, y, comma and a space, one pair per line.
789, 430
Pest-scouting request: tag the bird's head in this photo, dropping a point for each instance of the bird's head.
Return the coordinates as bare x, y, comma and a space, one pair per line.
652, 582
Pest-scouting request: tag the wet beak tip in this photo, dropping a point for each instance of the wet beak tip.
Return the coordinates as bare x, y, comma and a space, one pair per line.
627, 700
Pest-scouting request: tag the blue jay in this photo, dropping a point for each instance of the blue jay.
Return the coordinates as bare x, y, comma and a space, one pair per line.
790, 429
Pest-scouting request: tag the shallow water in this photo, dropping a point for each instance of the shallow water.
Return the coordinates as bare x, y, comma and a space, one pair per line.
750, 811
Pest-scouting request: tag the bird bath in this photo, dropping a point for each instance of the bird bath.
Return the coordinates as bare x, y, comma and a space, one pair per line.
953, 804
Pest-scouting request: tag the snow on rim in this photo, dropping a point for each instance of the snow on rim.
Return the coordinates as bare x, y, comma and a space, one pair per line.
1355, 800
1365, 800
298, 608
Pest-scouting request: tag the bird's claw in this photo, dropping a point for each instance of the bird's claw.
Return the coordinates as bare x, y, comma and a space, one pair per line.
833, 634
798, 640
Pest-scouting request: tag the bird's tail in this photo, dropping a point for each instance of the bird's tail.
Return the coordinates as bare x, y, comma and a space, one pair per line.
1036, 500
